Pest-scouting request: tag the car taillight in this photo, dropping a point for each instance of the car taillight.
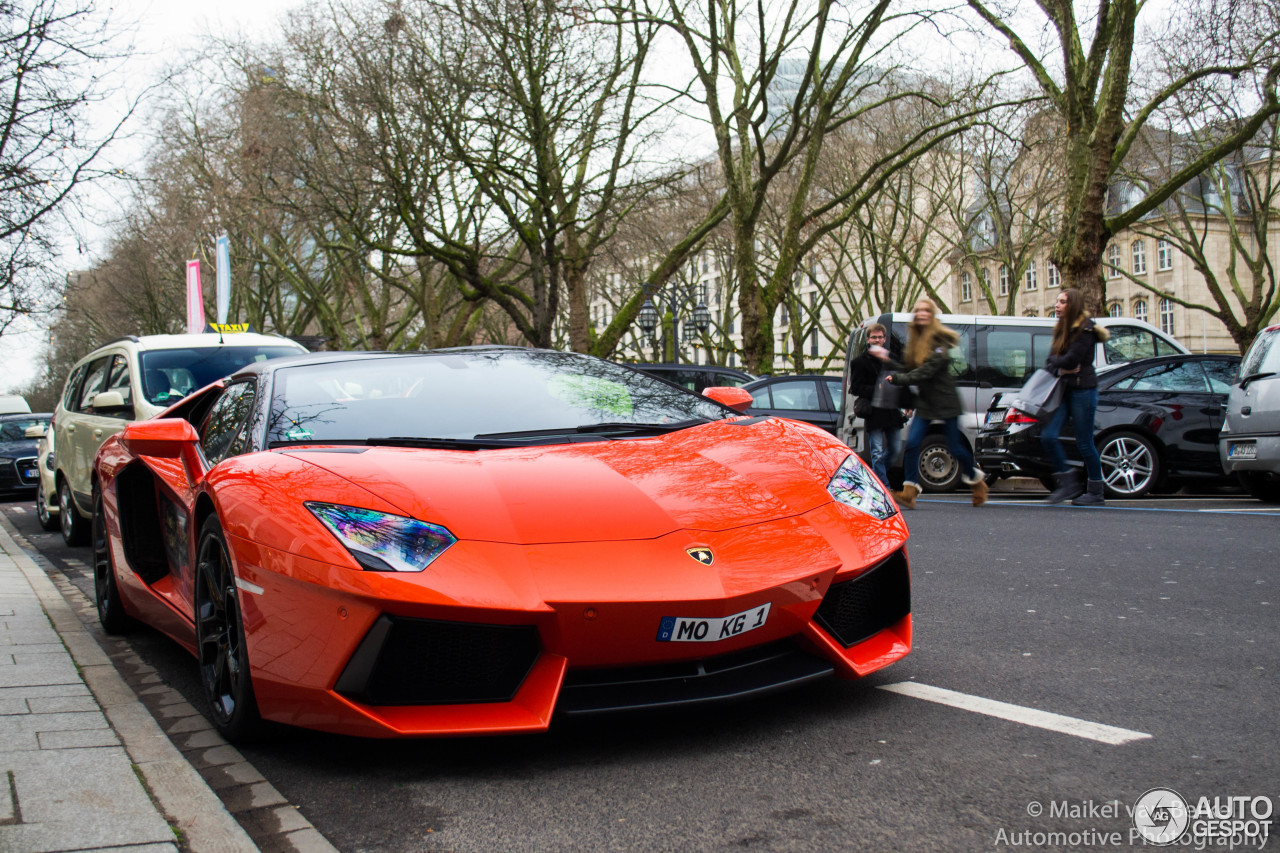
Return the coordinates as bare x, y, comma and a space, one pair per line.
1013, 416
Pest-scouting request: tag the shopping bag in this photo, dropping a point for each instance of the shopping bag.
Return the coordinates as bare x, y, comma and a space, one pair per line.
886, 393
1039, 396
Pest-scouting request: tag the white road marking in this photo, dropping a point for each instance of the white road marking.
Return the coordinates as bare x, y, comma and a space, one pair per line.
1018, 714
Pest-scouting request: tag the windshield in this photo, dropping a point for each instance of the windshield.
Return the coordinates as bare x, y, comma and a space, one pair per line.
168, 375
1263, 356
497, 395
15, 430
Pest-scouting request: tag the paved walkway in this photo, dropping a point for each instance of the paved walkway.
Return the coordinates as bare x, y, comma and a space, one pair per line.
83, 764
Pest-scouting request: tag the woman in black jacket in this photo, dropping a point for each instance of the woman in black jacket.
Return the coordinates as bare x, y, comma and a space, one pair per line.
1075, 338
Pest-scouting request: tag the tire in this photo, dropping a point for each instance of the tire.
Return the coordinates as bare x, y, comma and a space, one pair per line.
47, 519
1130, 465
111, 612
1263, 485
939, 468
221, 653
75, 527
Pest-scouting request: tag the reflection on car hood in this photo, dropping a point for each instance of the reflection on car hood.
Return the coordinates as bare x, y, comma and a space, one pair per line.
26, 447
714, 477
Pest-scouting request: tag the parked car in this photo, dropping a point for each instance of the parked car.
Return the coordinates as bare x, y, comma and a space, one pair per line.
814, 399
19, 473
47, 488
995, 354
134, 378
473, 541
1157, 426
697, 377
1249, 445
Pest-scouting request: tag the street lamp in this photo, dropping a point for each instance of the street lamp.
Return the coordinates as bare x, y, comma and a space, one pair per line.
698, 324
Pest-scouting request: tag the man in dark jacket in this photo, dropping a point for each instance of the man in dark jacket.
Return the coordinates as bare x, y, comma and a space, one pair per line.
883, 426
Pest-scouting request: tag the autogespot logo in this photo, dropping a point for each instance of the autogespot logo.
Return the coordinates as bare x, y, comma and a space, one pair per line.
1161, 816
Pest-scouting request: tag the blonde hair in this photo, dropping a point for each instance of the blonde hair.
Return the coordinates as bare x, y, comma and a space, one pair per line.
920, 340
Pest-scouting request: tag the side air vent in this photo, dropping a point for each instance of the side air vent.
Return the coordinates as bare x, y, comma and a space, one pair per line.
857, 609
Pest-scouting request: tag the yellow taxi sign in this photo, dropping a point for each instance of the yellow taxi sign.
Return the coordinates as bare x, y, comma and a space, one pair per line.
228, 328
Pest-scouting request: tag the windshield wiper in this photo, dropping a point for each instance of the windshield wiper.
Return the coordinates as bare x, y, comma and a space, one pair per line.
1244, 383
605, 429
437, 443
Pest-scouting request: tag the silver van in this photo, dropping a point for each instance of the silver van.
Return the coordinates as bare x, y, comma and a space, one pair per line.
994, 354
1249, 444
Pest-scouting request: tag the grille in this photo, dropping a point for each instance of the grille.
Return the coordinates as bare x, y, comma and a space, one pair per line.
856, 609
404, 661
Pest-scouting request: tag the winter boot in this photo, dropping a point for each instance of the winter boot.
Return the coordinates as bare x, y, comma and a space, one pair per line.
1066, 486
907, 497
978, 484
1092, 497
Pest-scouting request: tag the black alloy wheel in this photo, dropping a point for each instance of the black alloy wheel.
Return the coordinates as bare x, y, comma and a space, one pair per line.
75, 529
221, 653
46, 518
111, 611
939, 468
1130, 465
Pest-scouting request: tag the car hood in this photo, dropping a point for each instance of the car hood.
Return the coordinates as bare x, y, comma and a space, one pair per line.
717, 476
26, 447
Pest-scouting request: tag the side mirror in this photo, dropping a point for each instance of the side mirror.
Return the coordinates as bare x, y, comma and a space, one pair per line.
735, 398
111, 403
166, 438
36, 431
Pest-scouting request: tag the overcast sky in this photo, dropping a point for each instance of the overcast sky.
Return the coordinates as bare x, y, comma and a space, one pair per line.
161, 31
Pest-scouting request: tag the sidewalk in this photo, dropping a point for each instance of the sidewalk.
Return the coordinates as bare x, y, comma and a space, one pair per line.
83, 765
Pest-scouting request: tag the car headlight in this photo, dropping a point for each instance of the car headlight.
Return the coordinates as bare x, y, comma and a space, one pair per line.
381, 542
855, 486
6, 460
49, 462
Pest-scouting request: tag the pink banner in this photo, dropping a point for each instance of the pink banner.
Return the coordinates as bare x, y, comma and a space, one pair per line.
195, 299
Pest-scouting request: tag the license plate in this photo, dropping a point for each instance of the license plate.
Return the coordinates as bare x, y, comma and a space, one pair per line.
694, 629
995, 416
1242, 450
29, 473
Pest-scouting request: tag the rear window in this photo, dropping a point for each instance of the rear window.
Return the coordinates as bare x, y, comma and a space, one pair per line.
168, 375
1264, 355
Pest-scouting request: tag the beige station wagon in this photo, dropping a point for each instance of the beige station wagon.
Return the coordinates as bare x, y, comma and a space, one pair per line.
134, 378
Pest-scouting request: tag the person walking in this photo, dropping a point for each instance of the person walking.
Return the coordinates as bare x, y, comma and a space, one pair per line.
928, 367
883, 426
1075, 338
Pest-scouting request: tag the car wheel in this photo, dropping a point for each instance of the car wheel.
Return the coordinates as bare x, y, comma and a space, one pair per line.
110, 607
75, 529
1263, 485
1130, 465
221, 653
939, 469
46, 519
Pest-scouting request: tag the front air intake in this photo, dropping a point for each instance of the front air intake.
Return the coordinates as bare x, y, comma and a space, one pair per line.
404, 661
857, 609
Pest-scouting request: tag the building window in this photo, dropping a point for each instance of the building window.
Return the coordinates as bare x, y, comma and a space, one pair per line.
1031, 276
813, 343
966, 288
1113, 261
986, 282
1164, 254
1166, 316
1140, 310
785, 318
1004, 280
1055, 277
1139, 257
1113, 310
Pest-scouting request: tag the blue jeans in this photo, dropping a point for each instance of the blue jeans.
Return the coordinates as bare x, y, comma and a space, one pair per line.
916, 432
1080, 404
882, 444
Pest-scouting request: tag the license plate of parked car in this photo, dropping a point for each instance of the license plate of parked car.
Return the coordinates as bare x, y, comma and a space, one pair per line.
692, 629
1242, 450
995, 416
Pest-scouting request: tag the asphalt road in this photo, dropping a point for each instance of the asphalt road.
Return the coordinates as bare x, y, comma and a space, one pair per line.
1156, 619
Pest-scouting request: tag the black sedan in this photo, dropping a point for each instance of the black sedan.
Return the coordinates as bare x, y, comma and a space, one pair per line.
18, 472
813, 399
1157, 426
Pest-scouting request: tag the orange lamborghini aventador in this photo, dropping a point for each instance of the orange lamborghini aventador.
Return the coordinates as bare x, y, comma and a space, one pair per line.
475, 540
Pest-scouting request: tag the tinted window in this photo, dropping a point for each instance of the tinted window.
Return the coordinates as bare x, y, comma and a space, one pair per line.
94, 379
1263, 356
168, 375
71, 394
795, 395
1012, 354
225, 422
836, 390
730, 380
1169, 378
465, 395
1222, 374
1129, 343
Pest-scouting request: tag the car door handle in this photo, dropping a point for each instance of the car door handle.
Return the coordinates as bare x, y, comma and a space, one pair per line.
1246, 410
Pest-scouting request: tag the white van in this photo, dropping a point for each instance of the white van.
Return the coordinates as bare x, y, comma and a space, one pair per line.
13, 404
994, 354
